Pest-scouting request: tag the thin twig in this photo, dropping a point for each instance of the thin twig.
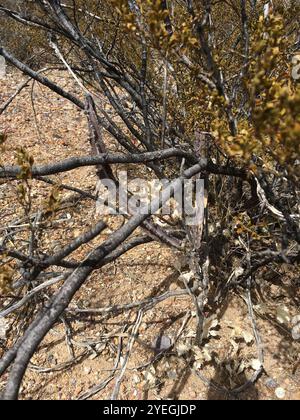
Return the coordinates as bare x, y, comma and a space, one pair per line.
128, 353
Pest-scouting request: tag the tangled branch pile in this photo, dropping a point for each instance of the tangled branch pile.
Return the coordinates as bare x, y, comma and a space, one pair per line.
184, 90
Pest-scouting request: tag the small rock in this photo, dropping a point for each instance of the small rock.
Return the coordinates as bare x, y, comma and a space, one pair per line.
280, 393
271, 383
161, 343
296, 328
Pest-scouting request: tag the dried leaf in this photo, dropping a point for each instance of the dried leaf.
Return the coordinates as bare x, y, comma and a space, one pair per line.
255, 364
283, 315
150, 378
241, 368
235, 346
136, 379
261, 308
209, 325
248, 337
198, 354
182, 349
186, 277
207, 354
3, 328
197, 365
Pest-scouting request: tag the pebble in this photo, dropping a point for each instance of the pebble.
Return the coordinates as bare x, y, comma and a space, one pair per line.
280, 393
271, 383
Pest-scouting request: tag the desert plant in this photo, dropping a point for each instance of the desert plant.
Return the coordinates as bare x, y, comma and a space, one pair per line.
196, 90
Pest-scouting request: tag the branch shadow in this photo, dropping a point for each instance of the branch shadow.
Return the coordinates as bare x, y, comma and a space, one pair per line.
222, 388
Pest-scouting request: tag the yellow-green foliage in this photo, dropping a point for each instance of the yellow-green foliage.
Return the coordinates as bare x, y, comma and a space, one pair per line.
269, 125
273, 131
6, 275
53, 202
